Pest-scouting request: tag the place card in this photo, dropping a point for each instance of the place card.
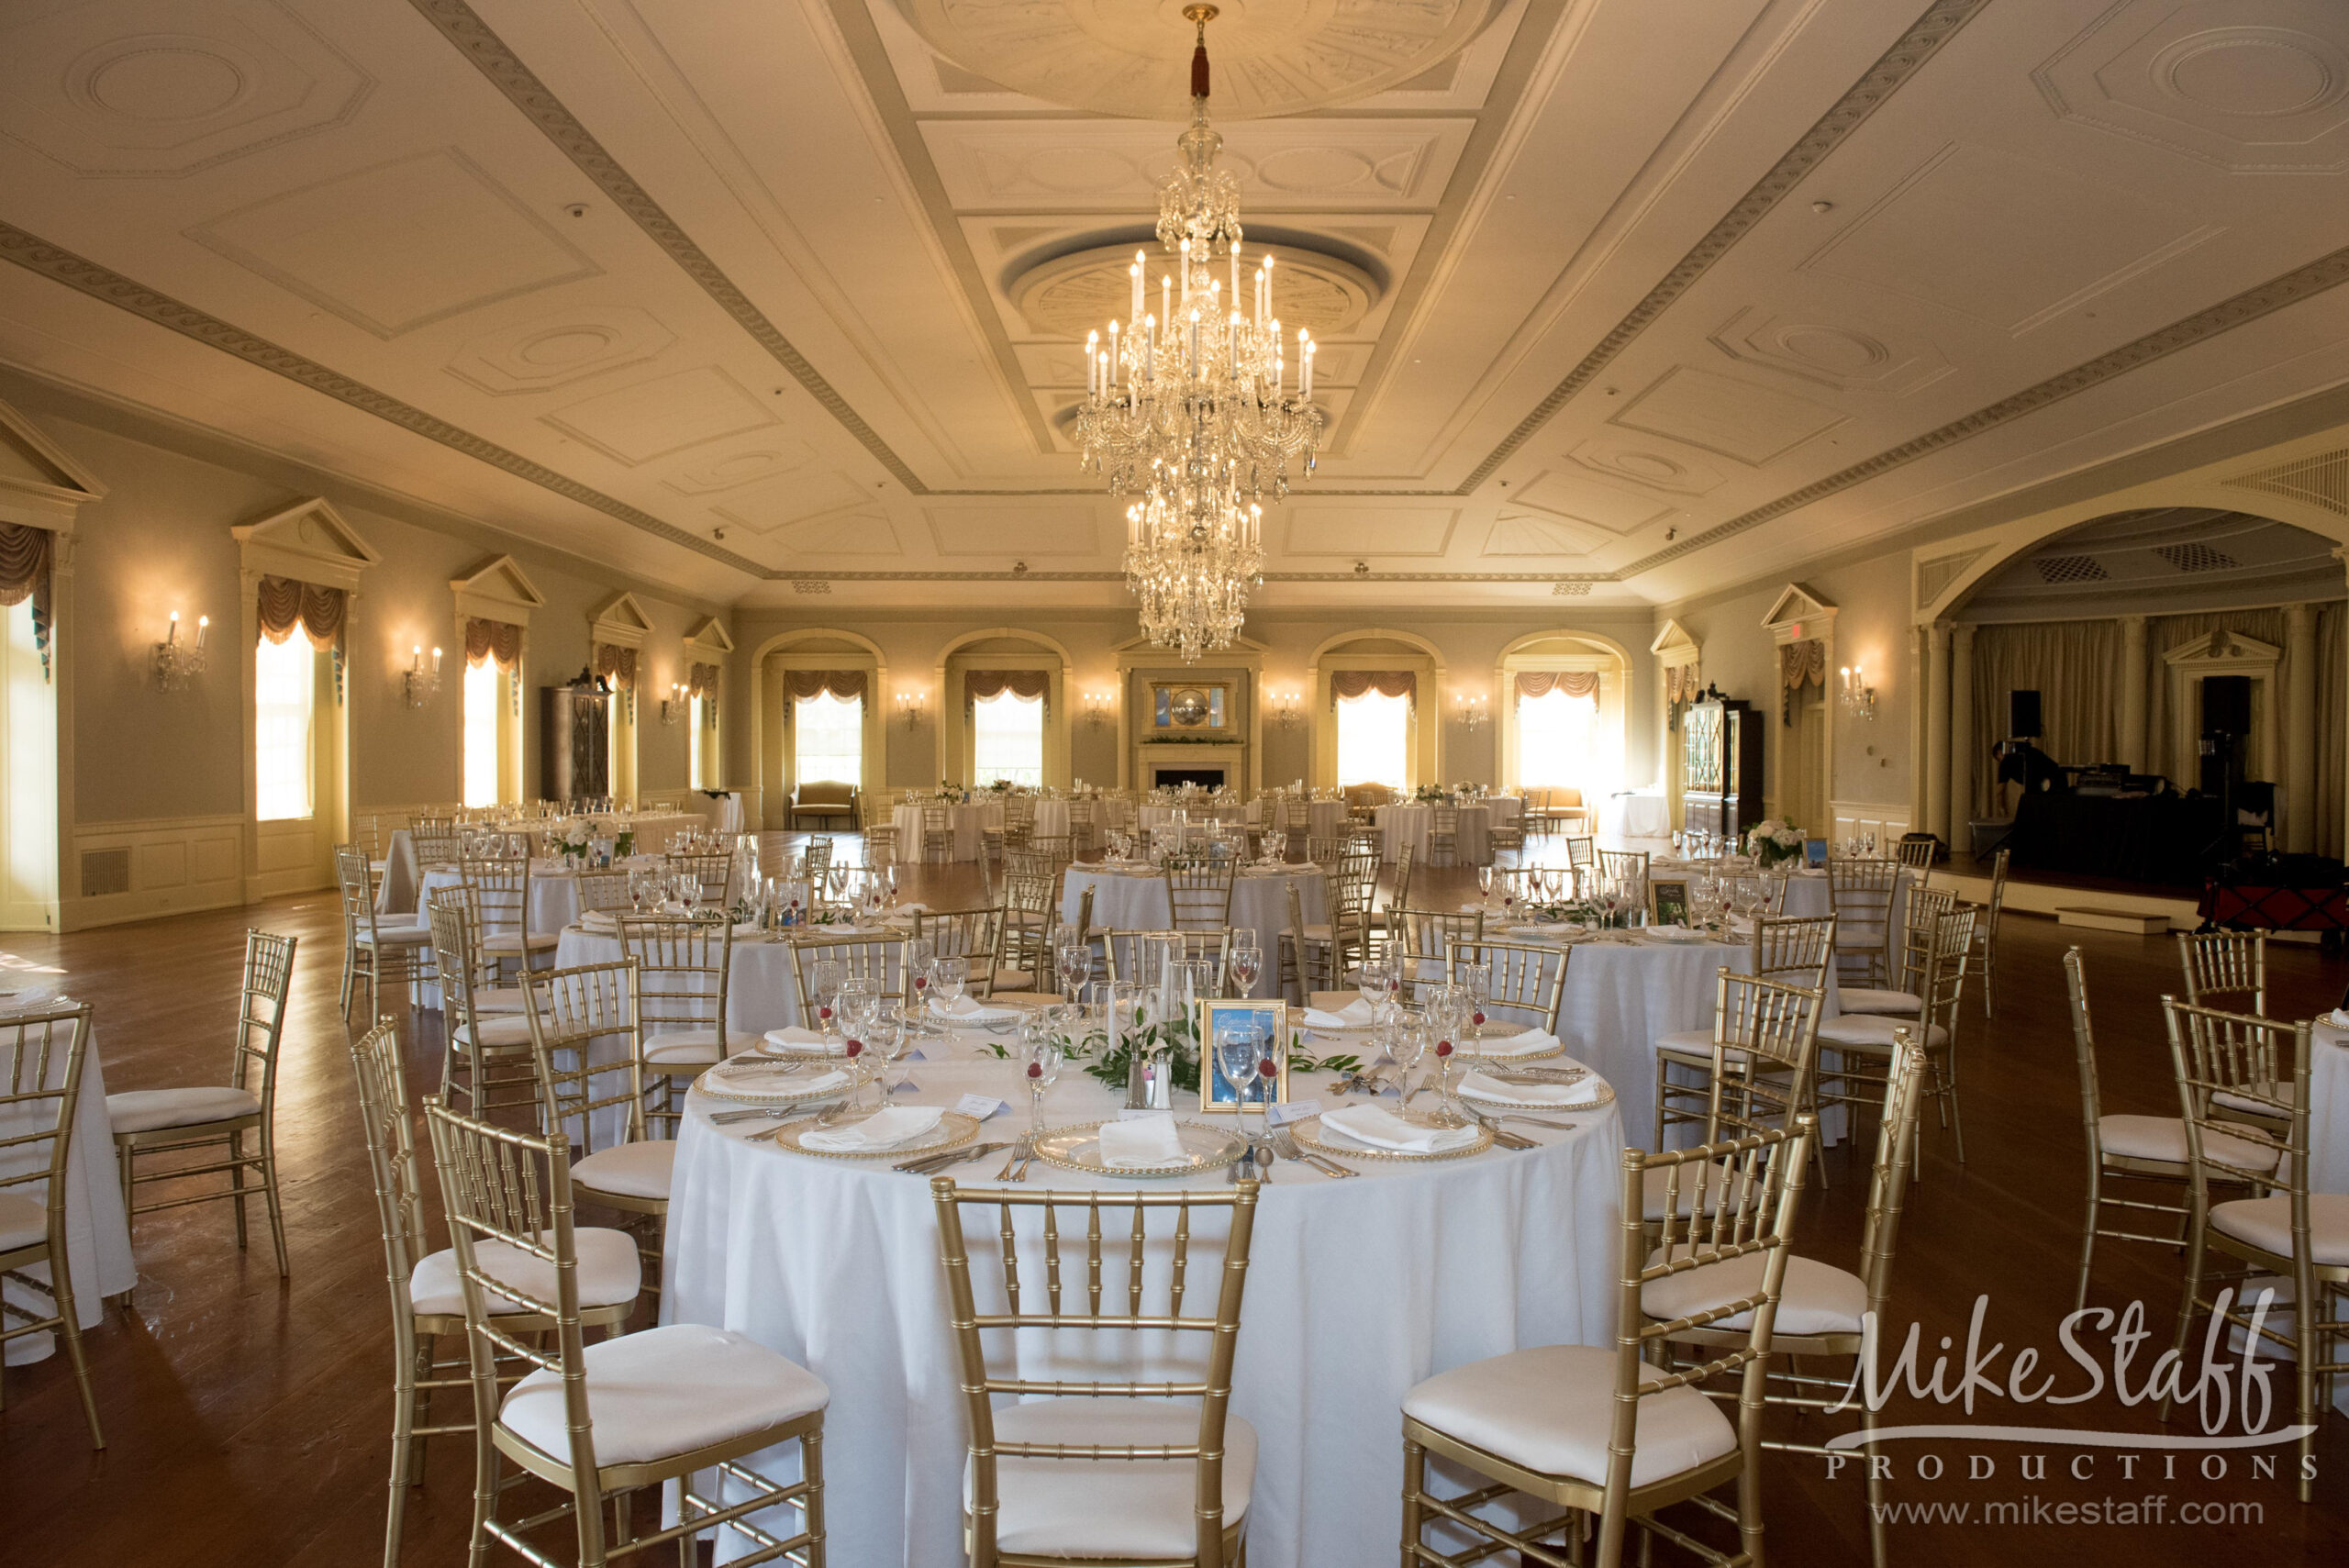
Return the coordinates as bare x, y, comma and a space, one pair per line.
1292, 1110
908, 1087
978, 1106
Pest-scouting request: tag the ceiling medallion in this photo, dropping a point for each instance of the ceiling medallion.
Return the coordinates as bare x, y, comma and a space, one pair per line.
1190, 406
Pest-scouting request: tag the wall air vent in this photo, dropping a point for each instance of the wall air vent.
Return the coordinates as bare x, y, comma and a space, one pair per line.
2195, 556
2061, 568
106, 871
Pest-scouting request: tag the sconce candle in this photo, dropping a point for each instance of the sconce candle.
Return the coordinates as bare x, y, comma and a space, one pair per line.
1858, 696
177, 663
421, 683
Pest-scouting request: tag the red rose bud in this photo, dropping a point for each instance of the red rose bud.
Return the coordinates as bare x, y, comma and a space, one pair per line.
1476, 1018
1267, 1068
823, 1012
1443, 1048
1035, 1070
856, 1048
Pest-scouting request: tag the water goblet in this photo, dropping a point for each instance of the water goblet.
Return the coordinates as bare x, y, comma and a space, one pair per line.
920, 952
1476, 982
1075, 963
1408, 1042
1238, 1048
1247, 961
824, 978
947, 977
1371, 980
1040, 1056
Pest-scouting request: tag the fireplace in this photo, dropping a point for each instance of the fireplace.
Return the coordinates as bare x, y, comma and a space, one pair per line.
1207, 777
1165, 763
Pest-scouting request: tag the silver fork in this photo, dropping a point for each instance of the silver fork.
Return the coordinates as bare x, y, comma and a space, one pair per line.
1019, 1153
1285, 1141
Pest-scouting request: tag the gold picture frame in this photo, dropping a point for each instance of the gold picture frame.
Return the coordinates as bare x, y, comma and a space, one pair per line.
1264, 1019
1187, 706
1668, 901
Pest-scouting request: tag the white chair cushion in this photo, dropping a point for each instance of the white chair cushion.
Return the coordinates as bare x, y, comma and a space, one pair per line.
1114, 1510
2163, 1138
1873, 1031
1552, 1409
1869, 999
22, 1221
2234, 1102
1817, 1298
610, 1274
1688, 1042
667, 1390
497, 1030
390, 933
2266, 1223
694, 1048
512, 941
632, 1170
499, 1000
144, 1110
1317, 933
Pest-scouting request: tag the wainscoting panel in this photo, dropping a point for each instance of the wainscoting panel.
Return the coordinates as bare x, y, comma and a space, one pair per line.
1851, 817
175, 863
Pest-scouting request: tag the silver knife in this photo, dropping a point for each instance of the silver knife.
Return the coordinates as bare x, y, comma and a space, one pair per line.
927, 1164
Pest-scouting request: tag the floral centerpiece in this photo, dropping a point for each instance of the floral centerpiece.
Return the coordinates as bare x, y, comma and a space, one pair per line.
1000, 786
624, 843
1428, 794
577, 834
952, 793
1772, 840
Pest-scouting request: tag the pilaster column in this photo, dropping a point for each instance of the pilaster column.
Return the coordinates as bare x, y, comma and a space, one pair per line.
2133, 693
2300, 729
1936, 758
1961, 731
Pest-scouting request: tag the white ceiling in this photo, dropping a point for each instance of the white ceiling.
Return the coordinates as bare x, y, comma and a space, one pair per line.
1630, 299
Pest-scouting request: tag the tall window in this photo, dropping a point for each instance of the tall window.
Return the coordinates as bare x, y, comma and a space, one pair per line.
1374, 739
285, 687
1007, 740
482, 697
1558, 743
828, 739
698, 739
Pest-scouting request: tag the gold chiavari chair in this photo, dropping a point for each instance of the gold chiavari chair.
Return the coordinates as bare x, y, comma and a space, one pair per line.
862, 960
1562, 1424
501, 888
1057, 852
2225, 969
1765, 1064
605, 890
1083, 825
1327, 850
880, 826
1443, 835
1920, 913
2229, 1060
969, 935
487, 1059
1582, 854
572, 1010
684, 966
1504, 833
374, 950
1916, 851
818, 858
602, 1422
1198, 892
713, 874
1303, 953
1131, 1469
1352, 893
1297, 823
1023, 933
2151, 1150
938, 836
1861, 893
1822, 1309
1796, 950
1862, 1041
44, 1052
1401, 893
1985, 930
1620, 865
437, 842
1526, 983
1421, 941
214, 1120
1125, 954
426, 1300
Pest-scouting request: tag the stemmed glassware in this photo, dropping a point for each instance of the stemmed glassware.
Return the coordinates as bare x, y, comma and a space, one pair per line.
1485, 885
1406, 1041
824, 989
920, 952
1076, 962
1040, 1056
1237, 1050
1447, 1011
859, 1010
1476, 982
1371, 980
947, 976
1246, 962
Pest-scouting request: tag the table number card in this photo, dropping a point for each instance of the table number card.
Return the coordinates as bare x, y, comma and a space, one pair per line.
1293, 1111
978, 1106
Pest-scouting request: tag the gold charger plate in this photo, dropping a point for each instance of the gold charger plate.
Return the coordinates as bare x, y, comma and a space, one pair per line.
788, 1088
1606, 1097
1078, 1147
954, 1130
1468, 1051
1309, 1133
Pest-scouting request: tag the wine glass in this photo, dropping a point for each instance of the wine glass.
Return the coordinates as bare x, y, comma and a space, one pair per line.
1371, 980
889, 1038
824, 980
859, 1009
1247, 961
1447, 1011
920, 952
1485, 885
947, 976
1476, 982
1040, 1054
1239, 1046
1076, 962
1407, 1042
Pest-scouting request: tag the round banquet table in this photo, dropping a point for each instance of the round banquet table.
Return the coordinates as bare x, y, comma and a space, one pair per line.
1135, 900
554, 891
1148, 816
1404, 824
721, 809
1356, 1291
97, 1231
2329, 1129
966, 820
1635, 814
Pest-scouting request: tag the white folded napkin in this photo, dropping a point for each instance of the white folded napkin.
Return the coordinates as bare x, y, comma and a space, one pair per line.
916, 908
1522, 1044
1378, 1129
1581, 1091
746, 1073
598, 920
883, 1129
747, 928
2338, 1018
804, 1042
1355, 1015
971, 1010
1143, 1143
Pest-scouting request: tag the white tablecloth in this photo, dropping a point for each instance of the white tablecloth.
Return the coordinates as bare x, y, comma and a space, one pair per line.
554, 893
723, 812
1148, 816
97, 1232
1356, 1290
1638, 814
967, 821
1407, 824
1136, 901
2329, 1110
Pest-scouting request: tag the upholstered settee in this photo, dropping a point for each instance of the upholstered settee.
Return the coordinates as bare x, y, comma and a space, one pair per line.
817, 802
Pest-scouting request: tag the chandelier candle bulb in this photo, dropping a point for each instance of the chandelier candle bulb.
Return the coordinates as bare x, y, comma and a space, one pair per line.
1135, 273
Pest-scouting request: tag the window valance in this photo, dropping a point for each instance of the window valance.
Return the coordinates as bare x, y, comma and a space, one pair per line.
501, 640
25, 556
288, 603
701, 680
848, 686
1027, 685
1801, 665
1349, 684
1542, 683
1681, 682
616, 666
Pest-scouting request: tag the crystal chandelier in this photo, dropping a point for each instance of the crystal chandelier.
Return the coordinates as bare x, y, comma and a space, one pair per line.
1191, 406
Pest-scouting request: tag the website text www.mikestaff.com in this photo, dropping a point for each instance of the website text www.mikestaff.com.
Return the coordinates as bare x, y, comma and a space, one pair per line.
2034, 1509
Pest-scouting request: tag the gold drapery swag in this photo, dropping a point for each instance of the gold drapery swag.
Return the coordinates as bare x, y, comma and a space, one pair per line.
701, 680
1345, 684
1801, 665
845, 685
286, 603
1542, 683
616, 666
1027, 685
501, 640
1681, 687
25, 556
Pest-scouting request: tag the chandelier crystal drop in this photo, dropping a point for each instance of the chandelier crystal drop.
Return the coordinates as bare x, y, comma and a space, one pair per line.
1190, 402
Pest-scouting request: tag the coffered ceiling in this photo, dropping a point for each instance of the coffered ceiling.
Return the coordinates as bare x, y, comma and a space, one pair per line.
1620, 299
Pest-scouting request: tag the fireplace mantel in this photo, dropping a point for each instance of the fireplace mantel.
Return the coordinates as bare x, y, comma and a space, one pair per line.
1152, 755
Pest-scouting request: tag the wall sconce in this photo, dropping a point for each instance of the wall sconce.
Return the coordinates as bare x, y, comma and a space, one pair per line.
1097, 706
1859, 697
423, 682
177, 661
1471, 709
1285, 712
673, 706
909, 703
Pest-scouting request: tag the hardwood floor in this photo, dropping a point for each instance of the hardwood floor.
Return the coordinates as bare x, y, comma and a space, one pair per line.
248, 1417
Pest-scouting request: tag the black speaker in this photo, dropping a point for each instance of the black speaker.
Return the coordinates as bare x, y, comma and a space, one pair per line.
2226, 705
2022, 716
